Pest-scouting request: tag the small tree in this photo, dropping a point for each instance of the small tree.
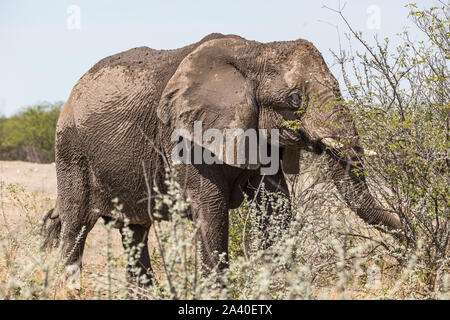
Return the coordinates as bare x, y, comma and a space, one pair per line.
400, 100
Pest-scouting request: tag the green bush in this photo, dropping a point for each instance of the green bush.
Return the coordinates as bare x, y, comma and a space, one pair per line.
29, 135
401, 104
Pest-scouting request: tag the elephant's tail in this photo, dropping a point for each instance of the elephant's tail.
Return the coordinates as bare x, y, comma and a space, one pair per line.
51, 229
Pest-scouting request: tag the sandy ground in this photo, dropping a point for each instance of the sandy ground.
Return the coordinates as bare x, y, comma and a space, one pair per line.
40, 181
40, 178
34, 194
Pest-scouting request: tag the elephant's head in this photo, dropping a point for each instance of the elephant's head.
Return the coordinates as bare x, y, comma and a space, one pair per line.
233, 83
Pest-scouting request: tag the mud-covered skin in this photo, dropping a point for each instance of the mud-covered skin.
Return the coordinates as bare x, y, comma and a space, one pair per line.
120, 116
110, 118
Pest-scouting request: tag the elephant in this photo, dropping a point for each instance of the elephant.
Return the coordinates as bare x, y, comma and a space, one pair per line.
114, 137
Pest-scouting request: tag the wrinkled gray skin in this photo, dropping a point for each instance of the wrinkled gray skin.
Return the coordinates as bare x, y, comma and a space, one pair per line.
120, 115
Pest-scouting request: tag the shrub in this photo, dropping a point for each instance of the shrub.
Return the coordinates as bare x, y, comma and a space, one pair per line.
30, 134
400, 101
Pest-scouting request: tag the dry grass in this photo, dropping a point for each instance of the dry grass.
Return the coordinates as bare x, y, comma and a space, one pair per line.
28, 192
322, 258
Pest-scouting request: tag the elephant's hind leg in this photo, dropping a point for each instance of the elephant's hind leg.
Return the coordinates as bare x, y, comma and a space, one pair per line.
77, 219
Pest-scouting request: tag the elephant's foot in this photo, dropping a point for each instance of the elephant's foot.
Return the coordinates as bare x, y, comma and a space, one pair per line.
73, 277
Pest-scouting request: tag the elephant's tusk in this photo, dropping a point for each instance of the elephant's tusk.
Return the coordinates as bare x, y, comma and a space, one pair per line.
331, 143
369, 153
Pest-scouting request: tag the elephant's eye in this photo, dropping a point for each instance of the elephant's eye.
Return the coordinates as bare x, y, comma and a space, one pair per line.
295, 100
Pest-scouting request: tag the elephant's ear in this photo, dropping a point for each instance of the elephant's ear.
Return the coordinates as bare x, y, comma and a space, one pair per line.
209, 89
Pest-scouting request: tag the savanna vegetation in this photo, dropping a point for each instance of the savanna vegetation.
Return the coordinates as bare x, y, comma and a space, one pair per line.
29, 134
399, 97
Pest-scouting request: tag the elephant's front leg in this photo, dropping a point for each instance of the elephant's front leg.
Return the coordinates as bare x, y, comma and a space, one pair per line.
209, 196
273, 202
211, 216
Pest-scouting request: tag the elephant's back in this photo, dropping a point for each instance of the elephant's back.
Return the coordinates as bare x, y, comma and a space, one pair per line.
110, 118
121, 92
156, 66
165, 61
125, 81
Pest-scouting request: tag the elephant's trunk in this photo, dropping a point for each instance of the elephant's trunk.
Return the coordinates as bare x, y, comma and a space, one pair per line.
347, 175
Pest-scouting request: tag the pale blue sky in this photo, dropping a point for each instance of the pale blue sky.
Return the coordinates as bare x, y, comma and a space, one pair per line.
41, 58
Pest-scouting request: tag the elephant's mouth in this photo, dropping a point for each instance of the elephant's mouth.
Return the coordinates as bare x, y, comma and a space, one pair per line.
332, 146
315, 146
301, 140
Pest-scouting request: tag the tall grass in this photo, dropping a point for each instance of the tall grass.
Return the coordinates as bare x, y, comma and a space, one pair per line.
326, 252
